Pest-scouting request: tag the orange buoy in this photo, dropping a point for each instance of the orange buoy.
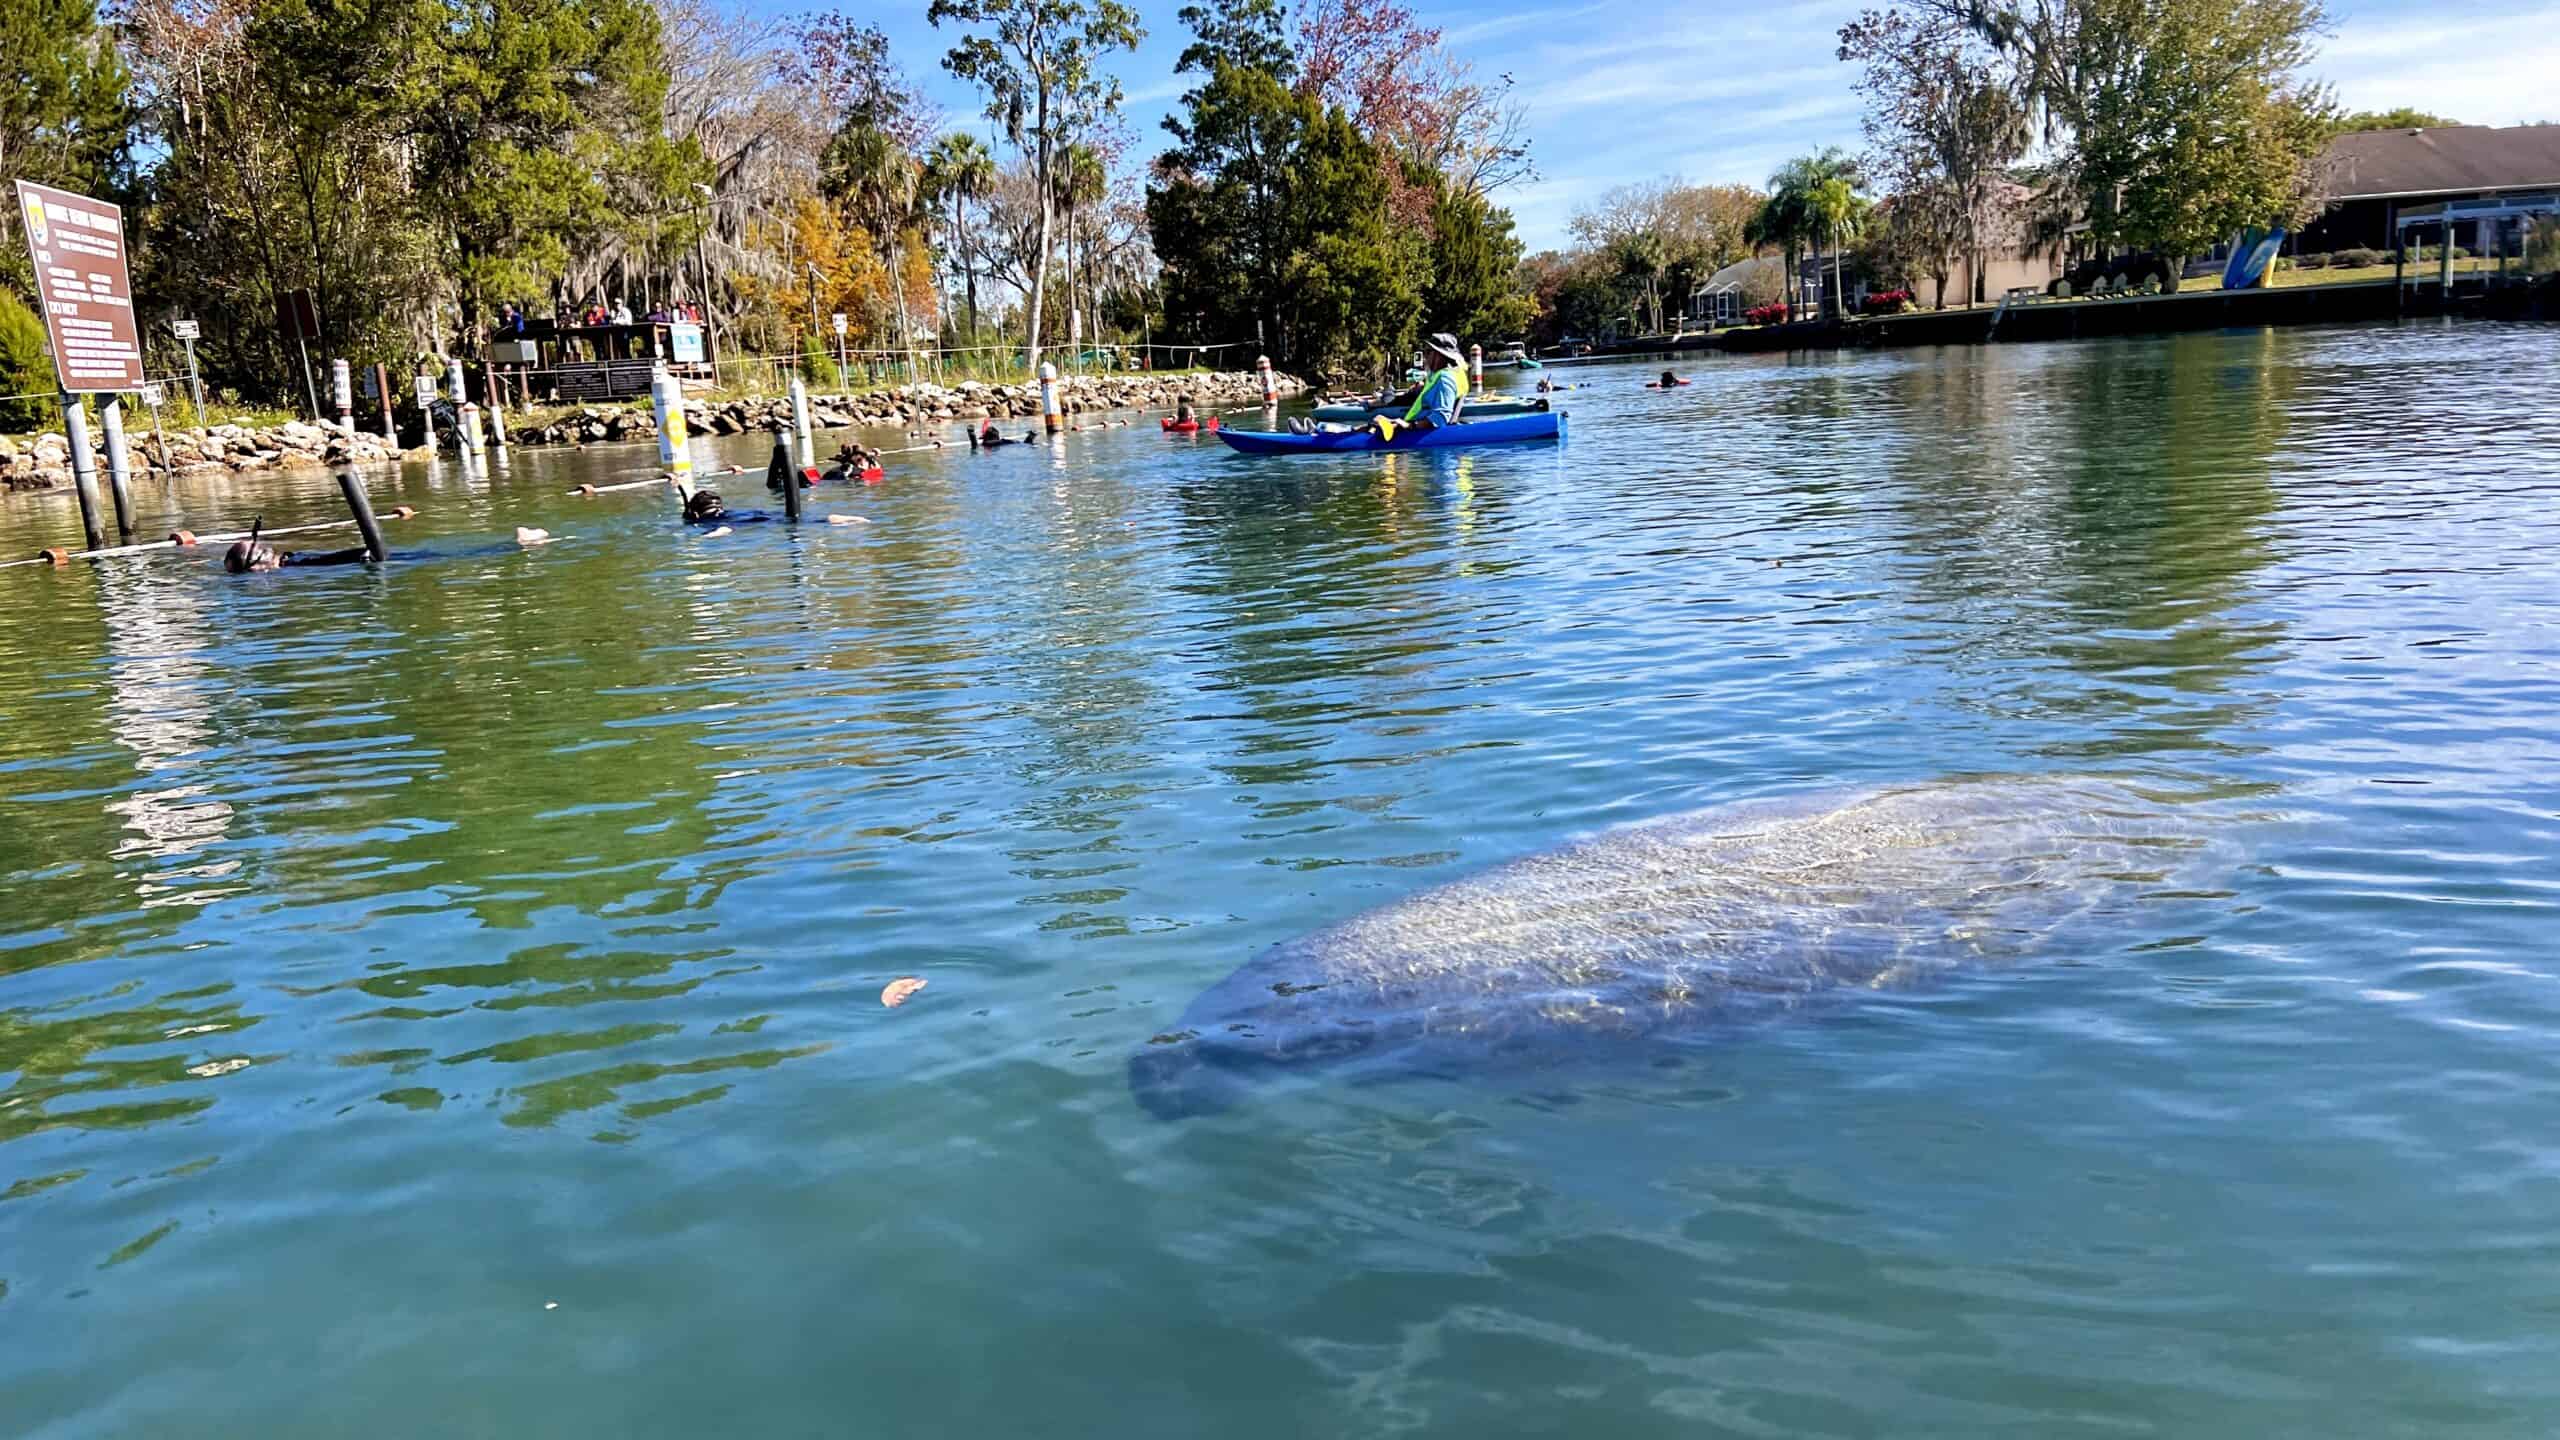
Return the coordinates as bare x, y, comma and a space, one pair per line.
56, 554
584, 491
182, 538
403, 512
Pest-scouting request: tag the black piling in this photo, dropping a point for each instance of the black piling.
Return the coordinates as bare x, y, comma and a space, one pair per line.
353, 489
784, 476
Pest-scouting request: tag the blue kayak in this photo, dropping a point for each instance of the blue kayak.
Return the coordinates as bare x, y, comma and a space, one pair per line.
1487, 408
1510, 429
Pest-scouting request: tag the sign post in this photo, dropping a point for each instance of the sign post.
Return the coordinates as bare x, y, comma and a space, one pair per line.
841, 380
185, 330
76, 245
159, 437
298, 315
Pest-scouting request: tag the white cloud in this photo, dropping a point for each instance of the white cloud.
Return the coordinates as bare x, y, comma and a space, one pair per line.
2486, 70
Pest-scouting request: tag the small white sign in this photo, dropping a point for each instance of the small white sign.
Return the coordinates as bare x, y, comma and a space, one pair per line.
839, 324
150, 394
183, 329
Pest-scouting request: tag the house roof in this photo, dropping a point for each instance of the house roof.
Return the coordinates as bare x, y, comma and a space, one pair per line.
2453, 159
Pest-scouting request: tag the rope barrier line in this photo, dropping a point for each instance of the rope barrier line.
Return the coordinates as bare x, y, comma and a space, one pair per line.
187, 540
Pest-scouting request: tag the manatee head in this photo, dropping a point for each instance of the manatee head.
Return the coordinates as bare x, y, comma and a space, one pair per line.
1284, 1013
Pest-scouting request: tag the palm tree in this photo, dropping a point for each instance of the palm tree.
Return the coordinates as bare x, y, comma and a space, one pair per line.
1792, 199
1842, 213
867, 166
959, 167
1780, 224
1080, 181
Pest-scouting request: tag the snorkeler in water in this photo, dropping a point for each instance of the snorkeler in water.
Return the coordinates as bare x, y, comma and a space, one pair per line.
254, 556
987, 437
855, 462
705, 507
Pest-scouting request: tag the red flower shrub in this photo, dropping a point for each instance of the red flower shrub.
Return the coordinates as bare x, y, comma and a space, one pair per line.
1886, 302
1775, 313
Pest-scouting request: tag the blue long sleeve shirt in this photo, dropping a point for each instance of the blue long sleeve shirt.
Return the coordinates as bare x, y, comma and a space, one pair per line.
1438, 402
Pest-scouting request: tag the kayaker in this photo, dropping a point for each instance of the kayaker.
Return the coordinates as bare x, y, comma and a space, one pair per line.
1182, 414
1671, 382
1443, 391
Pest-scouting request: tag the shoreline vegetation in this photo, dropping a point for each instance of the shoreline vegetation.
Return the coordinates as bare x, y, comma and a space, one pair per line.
1333, 183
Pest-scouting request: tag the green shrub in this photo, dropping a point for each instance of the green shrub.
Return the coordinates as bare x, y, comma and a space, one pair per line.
2357, 258
817, 366
24, 369
2311, 262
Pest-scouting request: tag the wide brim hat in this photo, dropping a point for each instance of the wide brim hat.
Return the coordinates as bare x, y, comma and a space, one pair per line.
1446, 344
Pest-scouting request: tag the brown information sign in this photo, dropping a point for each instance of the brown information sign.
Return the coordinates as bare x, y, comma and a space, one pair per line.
78, 247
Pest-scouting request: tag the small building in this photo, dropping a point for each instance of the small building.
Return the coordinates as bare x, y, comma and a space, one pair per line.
2013, 256
1721, 298
574, 363
2375, 176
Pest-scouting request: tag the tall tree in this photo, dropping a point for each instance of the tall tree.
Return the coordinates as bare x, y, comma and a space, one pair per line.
866, 170
1080, 184
1271, 221
1040, 70
1475, 291
1842, 213
1944, 124
536, 126
1797, 215
959, 170
64, 119
2174, 122
1253, 34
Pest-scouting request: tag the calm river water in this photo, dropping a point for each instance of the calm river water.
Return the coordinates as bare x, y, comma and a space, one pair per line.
446, 1001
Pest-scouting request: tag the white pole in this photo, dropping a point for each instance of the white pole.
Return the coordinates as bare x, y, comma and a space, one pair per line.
1270, 382
119, 461
342, 391
800, 419
84, 467
1049, 410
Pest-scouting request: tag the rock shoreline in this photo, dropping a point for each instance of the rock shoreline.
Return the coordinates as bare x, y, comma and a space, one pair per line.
42, 462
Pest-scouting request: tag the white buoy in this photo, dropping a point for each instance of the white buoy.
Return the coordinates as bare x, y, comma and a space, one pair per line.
666, 397
1270, 382
1050, 414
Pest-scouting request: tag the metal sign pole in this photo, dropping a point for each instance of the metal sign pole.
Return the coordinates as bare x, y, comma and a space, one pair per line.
195, 382
159, 437
309, 388
84, 467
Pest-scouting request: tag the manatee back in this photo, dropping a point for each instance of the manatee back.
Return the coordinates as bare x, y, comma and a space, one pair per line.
1702, 915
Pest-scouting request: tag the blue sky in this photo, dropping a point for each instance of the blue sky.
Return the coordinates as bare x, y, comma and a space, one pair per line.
1623, 91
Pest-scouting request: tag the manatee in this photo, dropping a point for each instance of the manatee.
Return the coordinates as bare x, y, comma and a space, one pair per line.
1672, 929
